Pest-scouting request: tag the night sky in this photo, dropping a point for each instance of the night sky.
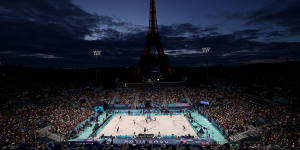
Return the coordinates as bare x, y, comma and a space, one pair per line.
63, 33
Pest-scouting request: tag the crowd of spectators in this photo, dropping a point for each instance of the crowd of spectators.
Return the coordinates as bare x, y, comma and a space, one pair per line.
127, 96
234, 113
154, 95
62, 113
229, 108
99, 97
232, 108
234, 116
175, 95
204, 94
283, 132
278, 125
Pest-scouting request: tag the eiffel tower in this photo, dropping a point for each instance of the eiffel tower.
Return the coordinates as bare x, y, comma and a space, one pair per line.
154, 64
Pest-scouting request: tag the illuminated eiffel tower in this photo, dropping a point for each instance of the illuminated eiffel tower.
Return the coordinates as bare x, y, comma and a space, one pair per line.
154, 64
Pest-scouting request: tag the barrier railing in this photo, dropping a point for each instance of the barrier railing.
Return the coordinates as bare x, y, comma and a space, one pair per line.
223, 131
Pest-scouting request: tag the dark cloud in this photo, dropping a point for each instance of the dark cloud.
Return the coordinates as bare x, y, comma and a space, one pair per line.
288, 17
186, 30
248, 34
60, 15
57, 33
229, 15
179, 29
51, 32
51, 19
276, 19
275, 34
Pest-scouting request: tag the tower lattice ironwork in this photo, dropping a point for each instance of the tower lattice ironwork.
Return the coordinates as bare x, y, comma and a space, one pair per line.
152, 62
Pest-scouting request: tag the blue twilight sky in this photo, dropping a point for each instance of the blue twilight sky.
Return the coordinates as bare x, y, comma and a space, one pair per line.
197, 12
63, 33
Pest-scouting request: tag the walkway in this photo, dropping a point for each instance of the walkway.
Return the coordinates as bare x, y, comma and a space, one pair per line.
88, 131
45, 132
212, 130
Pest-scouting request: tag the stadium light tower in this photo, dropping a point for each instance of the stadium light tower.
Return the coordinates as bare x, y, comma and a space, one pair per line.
205, 51
97, 53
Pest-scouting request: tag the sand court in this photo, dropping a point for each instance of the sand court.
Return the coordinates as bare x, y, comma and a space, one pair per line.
166, 125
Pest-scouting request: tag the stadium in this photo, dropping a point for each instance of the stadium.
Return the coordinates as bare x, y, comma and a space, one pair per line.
77, 115
75, 75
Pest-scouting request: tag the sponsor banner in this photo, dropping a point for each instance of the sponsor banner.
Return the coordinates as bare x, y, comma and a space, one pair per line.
204, 102
152, 105
184, 105
158, 141
98, 108
148, 140
120, 106
140, 106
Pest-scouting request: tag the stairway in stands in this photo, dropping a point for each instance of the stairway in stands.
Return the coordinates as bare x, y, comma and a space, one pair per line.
136, 99
45, 133
260, 101
164, 94
186, 96
250, 132
116, 96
